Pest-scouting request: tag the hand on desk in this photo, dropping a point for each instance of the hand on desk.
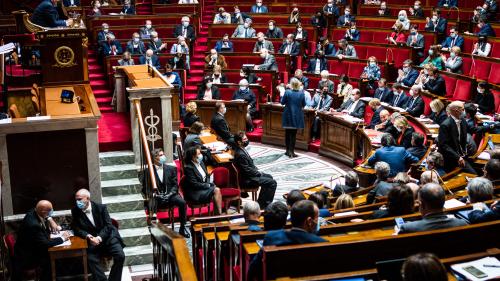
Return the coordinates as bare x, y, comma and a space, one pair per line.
94, 241
53, 226
65, 235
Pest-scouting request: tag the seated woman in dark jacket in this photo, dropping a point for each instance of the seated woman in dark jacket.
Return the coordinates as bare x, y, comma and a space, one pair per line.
484, 98
208, 91
400, 201
438, 114
197, 187
190, 117
193, 139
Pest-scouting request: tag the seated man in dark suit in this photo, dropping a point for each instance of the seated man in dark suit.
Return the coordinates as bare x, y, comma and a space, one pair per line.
289, 46
250, 174
146, 30
376, 106
268, 63
383, 93
346, 18
354, 106
244, 93
417, 148
385, 121
397, 157
305, 223
150, 59
128, 8
224, 45
415, 104
317, 64
111, 47
33, 241
167, 187
351, 184
453, 40
251, 213
452, 139
101, 35
435, 83
185, 30
399, 98
431, 197
481, 189
46, 15
219, 124
436, 24
382, 185
91, 221
321, 102
407, 75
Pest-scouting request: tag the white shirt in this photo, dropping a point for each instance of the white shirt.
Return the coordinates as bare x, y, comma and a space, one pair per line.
88, 213
299, 35
159, 171
200, 170
317, 68
457, 122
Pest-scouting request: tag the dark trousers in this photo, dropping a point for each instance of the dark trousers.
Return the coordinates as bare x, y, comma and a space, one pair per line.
316, 127
178, 201
112, 248
290, 137
267, 190
22, 263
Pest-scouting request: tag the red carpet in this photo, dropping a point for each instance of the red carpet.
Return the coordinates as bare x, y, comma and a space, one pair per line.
114, 132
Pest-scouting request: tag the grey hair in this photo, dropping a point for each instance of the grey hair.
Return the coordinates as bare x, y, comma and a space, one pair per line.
251, 208
429, 177
84, 192
382, 169
351, 179
479, 189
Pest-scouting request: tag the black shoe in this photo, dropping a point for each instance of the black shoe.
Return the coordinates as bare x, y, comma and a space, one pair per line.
183, 231
293, 155
244, 194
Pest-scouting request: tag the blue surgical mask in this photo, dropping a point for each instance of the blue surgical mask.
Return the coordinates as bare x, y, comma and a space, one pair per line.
318, 224
51, 213
453, 35
200, 158
431, 52
373, 64
163, 159
452, 55
462, 115
80, 204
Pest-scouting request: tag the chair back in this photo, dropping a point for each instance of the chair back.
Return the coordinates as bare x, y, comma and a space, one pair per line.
182, 182
36, 104
14, 112
237, 173
9, 241
221, 177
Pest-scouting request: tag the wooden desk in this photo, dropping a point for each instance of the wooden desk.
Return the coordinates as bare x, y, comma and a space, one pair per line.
340, 138
225, 157
140, 75
148, 82
235, 114
50, 101
58, 108
274, 132
78, 248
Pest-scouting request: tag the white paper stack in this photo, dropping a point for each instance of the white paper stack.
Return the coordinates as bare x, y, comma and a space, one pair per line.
489, 266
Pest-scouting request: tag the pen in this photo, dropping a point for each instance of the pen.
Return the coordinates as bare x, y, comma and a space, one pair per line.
491, 265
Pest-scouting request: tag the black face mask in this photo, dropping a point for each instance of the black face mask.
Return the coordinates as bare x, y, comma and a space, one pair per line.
246, 143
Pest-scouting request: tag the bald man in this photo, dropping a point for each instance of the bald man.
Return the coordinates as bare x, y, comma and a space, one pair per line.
33, 241
91, 221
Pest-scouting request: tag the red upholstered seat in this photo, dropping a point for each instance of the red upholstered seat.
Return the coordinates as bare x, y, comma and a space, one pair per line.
338, 67
368, 114
10, 241
462, 90
468, 44
427, 102
230, 192
379, 37
226, 93
481, 70
494, 77
313, 81
361, 51
466, 64
450, 85
495, 49
338, 33
355, 69
400, 55
496, 95
221, 180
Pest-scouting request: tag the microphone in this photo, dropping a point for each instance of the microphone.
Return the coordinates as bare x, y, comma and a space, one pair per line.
458, 12
387, 51
332, 178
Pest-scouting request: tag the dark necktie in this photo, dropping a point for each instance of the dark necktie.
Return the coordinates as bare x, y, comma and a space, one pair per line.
246, 32
396, 100
453, 42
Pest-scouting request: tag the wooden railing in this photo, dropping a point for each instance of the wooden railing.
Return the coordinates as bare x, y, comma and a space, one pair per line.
171, 260
149, 180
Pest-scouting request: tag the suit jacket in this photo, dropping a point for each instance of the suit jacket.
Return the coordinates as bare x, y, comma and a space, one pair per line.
46, 15
263, 45
294, 50
354, 35
67, 3
155, 61
419, 43
128, 10
486, 30
220, 126
439, 117
195, 186
449, 143
478, 216
375, 118
431, 222
401, 102
190, 33
106, 48
249, 97
215, 93
334, 10
248, 172
192, 140
275, 33
263, 9
140, 50
146, 33
305, 35
382, 188
410, 78
349, 52
451, 42
436, 86
219, 44
155, 46
177, 63
485, 102
311, 66
329, 49
101, 36
269, 63
397, 157
384, 94
239, 20
168, 183
448, 3
221, 60
415, 106
240, 32
293, 115
342, 188
417, 151
454, 65
102, 226
327, 102
222, 78
440, 27
343, 20
404, 138
33, 240
189, 119
359, 110
122, 62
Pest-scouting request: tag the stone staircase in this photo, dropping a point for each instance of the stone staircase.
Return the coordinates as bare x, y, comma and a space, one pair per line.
121, 192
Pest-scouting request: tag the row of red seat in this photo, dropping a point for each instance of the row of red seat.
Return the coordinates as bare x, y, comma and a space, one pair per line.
218, 30
309, 9
134, 20
450, 14
165, 32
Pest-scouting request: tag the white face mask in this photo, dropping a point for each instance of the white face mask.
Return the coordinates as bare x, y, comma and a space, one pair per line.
209, 85
136, 40
434, 18
479, 90
243, 88
224, 110
347, 13
246, 25
185, 23
148, 26
259, 4
271, 27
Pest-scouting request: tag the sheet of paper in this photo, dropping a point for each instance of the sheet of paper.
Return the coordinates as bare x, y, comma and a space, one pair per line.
492, 271
58, 235
38, 118
453, 203
345, 214
225, 156
217, 145
484, 156
432, 126
237, 221
7, 48
205, 134
6, 121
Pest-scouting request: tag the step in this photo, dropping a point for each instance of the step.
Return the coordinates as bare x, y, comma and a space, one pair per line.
123, 203
135, 236
102, 92
197, 63
198, 57
106, 109
138, 254
195, 79
95, 67
98, 82
120, 171
190, 88
120, 187
196, 71
116, 157
130, 219
96, 76
104, 100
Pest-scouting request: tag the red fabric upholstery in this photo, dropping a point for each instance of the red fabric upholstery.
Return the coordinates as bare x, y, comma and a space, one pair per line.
468, 44
481, 71
368, 114
355, 69
221, 180
10, 241
427, 102
495, 49
229, 192
450, 85
466, 64
418, 129
462, 90
496, 95
338, 67
380, 37
174, 9
494, 77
